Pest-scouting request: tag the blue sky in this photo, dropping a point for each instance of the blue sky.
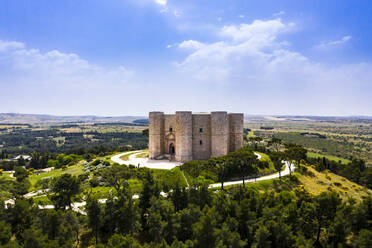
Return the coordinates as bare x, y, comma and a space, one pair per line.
129, 57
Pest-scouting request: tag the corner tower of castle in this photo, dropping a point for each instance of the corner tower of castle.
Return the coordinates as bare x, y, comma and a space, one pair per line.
186, 136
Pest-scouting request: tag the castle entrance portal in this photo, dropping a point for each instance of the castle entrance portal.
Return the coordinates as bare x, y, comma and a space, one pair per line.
171, 149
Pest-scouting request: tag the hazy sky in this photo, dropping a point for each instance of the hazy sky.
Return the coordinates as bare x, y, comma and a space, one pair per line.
128, 57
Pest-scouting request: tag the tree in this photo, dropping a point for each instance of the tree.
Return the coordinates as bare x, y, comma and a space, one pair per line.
277, 159
179, 197
229, 238
150, 189
205, 230
326, 205
294, 153
188, 217
33, 238
3, 155
145, 132
94, 215
5, 232
64, 188
255, 141
20, 173
262, 237
163, 223
20, 217
221, 173
115, 175
120, 241
276, 144
156, 226
246, 161
127, 212
364, 239
21, 161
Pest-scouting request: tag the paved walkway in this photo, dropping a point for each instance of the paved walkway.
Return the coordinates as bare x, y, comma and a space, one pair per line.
144, 162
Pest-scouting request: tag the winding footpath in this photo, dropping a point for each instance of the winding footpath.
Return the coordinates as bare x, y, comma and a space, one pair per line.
158, 164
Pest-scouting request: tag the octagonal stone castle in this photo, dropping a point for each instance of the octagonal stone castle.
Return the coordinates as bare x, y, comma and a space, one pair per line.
186, 136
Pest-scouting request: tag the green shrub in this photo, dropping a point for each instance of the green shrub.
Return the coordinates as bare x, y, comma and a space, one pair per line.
337, 184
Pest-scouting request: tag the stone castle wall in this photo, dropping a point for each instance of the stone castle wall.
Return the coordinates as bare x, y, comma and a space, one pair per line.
201, 139
183, 136
194, 136
156, 134
219, 134
236, 125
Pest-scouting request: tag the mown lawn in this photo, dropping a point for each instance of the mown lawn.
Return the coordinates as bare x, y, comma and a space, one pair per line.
126, 156
144, 154
73, 170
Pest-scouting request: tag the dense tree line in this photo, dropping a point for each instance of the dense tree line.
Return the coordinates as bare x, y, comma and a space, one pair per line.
25, 141
189, 217
339, 146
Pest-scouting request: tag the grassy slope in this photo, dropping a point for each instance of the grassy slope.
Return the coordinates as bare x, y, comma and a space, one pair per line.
170, 177
266, 157
315, 184
323, 181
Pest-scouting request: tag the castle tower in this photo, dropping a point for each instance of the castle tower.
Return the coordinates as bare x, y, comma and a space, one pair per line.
183, 127
236, 122
201, 136
220, 143
156, 134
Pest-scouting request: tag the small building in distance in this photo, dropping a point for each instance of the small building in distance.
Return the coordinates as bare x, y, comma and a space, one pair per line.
186, 136
24, 157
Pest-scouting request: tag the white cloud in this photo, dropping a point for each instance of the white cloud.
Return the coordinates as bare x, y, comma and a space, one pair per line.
280, 13
258, 31
335, 42
241, 16
253, 56
161, 2
10, 45
191, 44
54, 67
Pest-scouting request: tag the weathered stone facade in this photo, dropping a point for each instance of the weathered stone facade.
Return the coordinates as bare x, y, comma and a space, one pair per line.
185, 136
